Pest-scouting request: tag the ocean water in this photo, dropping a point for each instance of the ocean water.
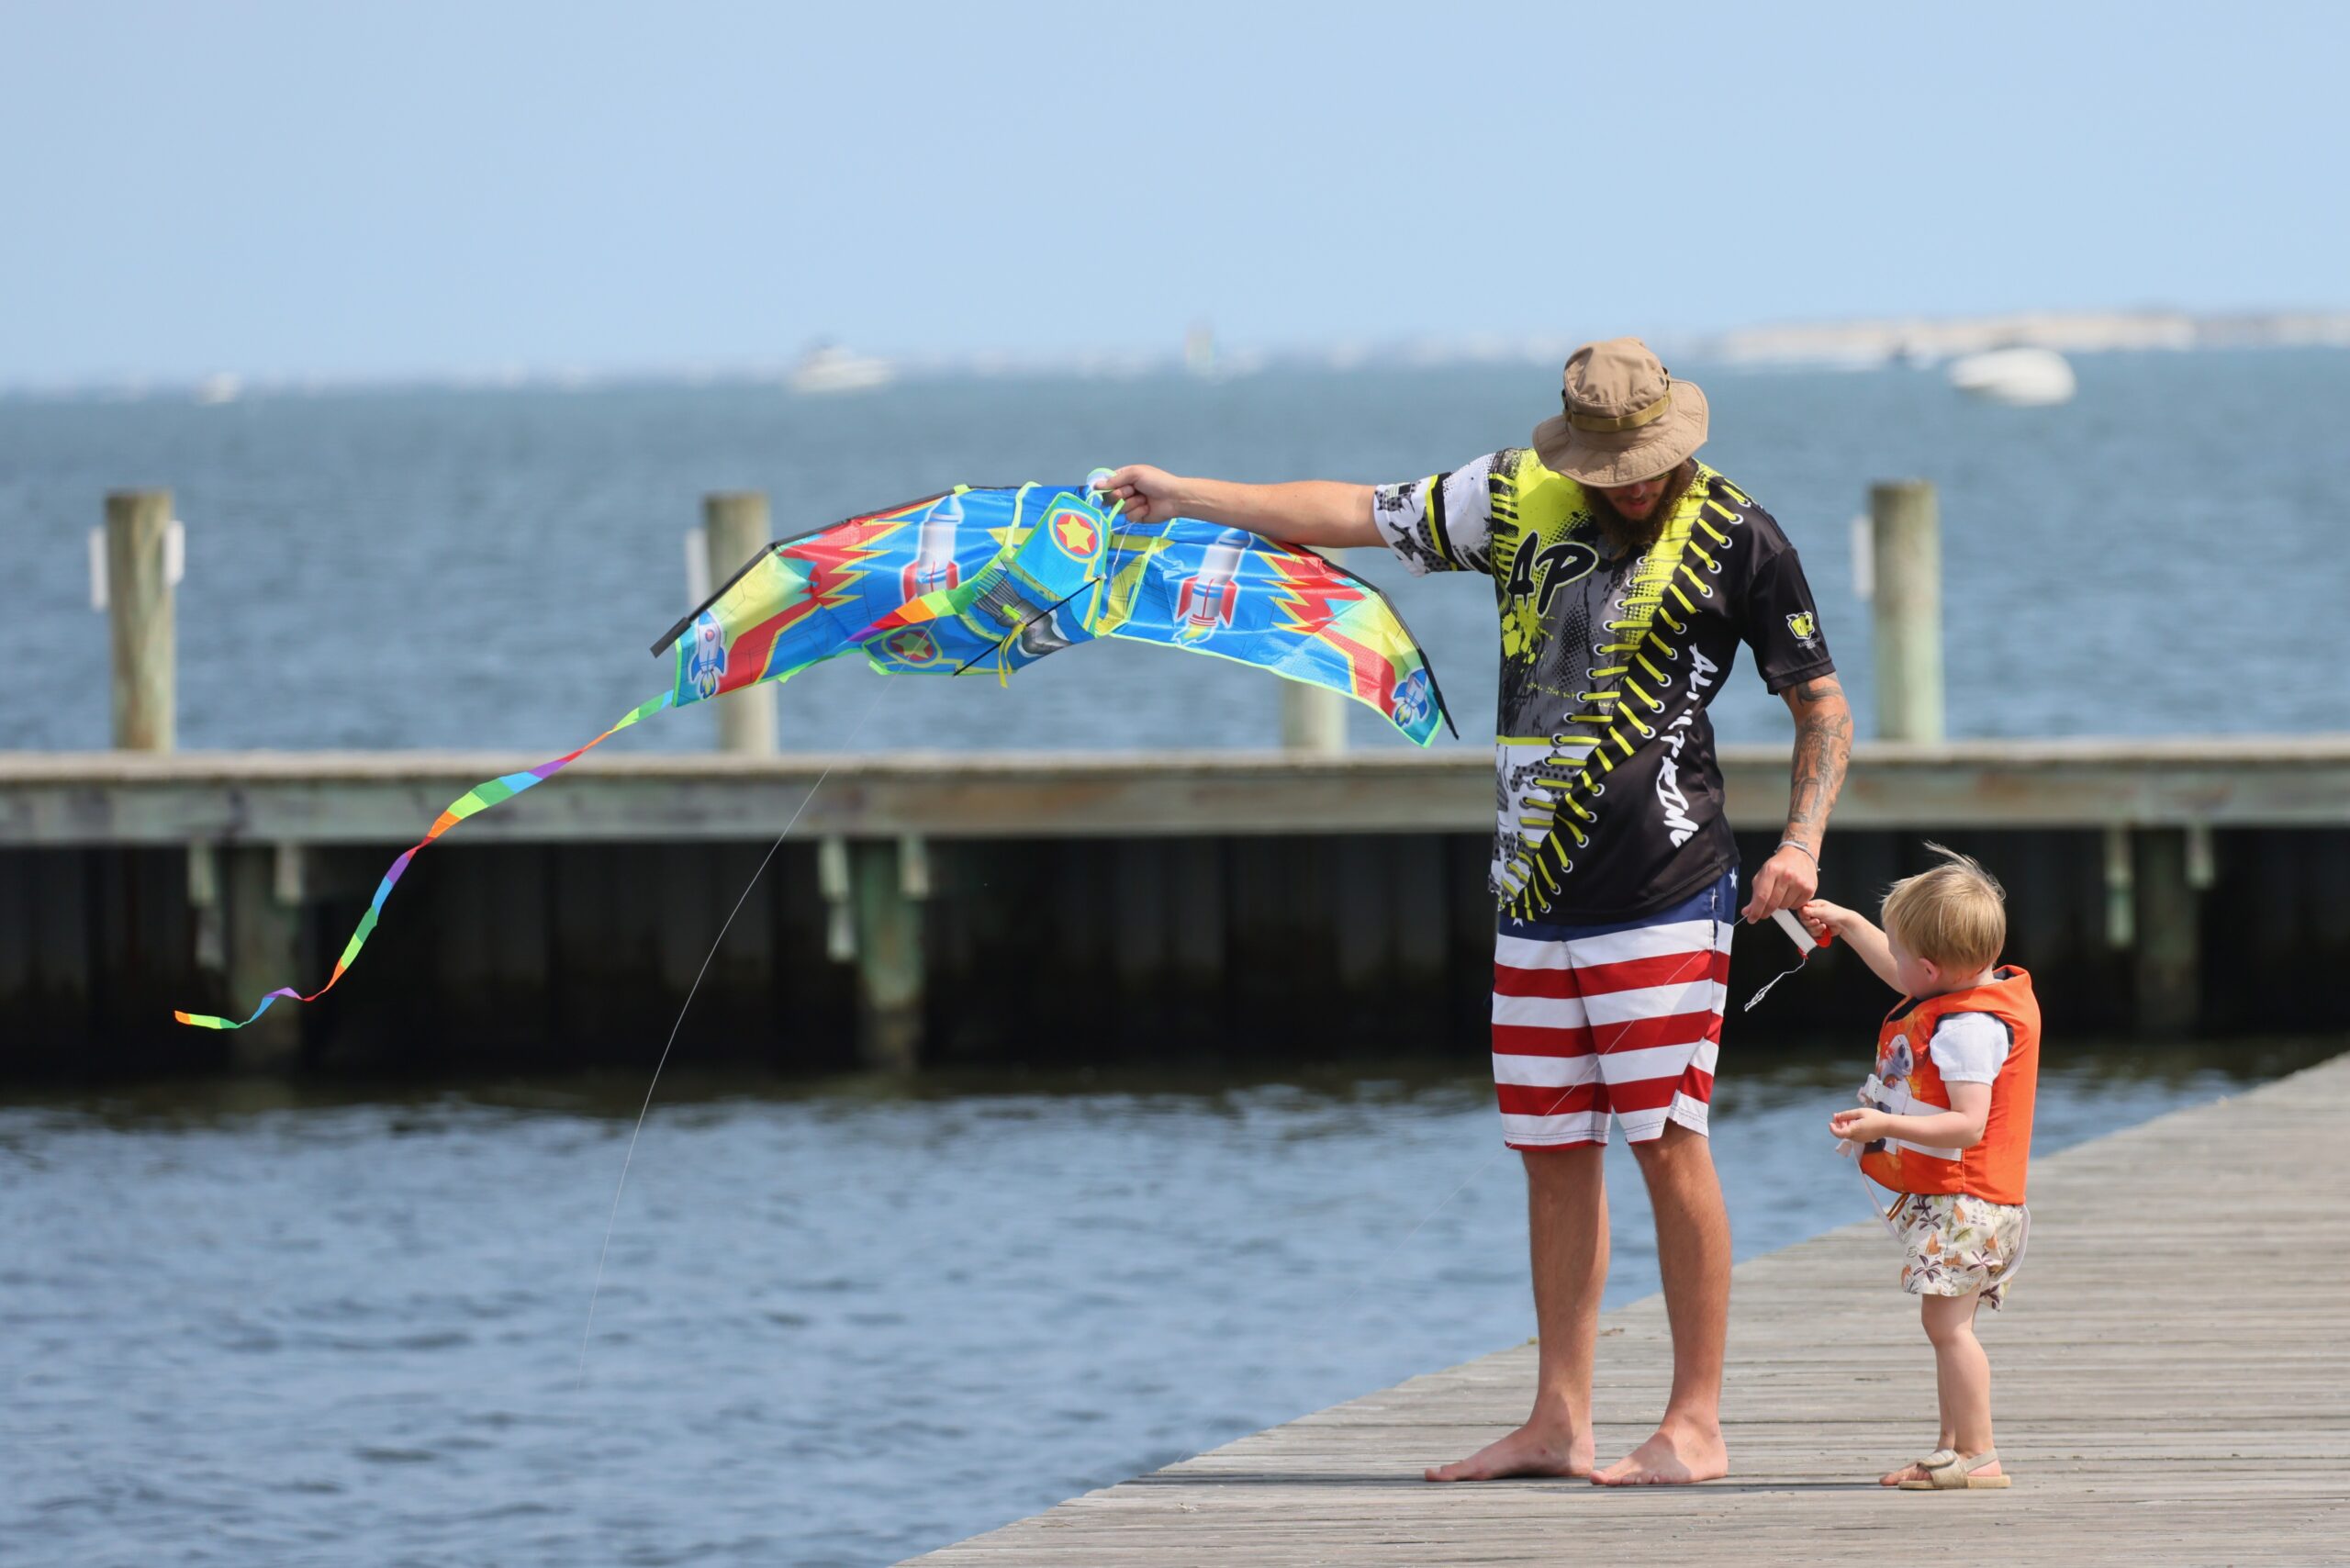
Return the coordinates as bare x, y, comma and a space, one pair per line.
486, 569
842, 1323
839, 1324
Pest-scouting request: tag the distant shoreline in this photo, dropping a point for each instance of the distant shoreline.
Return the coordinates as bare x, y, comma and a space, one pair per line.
1857, 344
1923, 338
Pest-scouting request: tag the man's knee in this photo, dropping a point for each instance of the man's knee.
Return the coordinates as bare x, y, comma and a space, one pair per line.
1676, 1147
1555, 1169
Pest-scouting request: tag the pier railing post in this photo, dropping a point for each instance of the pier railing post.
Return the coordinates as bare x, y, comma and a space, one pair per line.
1904, 526
138, 613
1313, 717
735, 526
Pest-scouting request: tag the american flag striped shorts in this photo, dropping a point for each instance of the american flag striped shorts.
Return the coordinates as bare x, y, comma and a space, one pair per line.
1624, 1018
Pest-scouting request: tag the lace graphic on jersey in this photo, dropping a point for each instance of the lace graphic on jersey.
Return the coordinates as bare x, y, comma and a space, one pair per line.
1627, 685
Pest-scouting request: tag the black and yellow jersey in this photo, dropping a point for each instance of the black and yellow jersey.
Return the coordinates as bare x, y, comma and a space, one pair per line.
1609, 798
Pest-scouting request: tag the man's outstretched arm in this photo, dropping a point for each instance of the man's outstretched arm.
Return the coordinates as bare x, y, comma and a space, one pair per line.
1310, 511
1823, 745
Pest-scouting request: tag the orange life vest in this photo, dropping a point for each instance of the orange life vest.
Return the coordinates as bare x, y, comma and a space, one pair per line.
1908, 1083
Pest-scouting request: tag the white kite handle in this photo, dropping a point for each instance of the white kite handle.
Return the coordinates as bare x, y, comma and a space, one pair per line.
1795, 930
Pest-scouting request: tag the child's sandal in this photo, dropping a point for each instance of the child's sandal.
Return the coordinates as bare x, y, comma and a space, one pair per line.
1939, 1457
1954, 1474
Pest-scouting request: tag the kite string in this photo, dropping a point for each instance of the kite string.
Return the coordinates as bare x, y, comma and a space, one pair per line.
611, 1221
1806, 945
1772, 981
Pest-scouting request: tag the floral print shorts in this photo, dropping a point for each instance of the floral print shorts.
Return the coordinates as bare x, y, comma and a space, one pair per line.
1954, 1244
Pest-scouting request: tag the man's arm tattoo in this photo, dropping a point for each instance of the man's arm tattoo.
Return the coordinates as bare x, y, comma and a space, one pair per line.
1823, 744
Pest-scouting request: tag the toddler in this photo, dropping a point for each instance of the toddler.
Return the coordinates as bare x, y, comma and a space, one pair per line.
1945, 1124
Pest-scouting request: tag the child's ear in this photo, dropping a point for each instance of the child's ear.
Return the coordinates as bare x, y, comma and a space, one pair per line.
1933, 971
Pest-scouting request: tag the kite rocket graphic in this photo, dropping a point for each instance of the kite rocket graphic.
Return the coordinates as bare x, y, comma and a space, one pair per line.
1207, 599
933, 567
706, 659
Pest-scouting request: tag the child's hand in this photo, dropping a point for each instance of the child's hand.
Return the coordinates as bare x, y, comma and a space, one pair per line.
1825, 920
1863, 1126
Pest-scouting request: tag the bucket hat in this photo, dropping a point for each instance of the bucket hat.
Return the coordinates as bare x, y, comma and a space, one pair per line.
1624, 417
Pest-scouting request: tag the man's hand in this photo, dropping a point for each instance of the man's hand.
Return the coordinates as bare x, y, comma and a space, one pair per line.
1321, 513
1789, 880
1149, 493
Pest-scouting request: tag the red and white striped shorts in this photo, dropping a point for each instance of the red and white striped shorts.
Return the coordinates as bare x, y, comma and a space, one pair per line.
1627, 1018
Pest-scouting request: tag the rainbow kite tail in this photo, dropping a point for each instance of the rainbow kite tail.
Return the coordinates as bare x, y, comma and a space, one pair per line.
480, 798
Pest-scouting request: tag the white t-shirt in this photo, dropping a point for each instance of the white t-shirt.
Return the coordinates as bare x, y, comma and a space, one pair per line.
1970, 1047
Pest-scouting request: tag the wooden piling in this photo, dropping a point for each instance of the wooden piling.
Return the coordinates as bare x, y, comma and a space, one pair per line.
207, 936
138, 613
2121, 889
1313, 717
2166, 962
262, 926
1905, 534
885, 885
840, 907
735, 526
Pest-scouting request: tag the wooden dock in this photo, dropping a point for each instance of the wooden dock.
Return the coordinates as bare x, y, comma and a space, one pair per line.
2161, 886
2171, 1377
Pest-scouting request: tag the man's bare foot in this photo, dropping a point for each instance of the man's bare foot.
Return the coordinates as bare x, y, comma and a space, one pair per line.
1529, 1451
1679, 1455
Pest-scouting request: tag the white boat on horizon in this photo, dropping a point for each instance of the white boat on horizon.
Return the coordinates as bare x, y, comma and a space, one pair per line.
2020, 377
828, 367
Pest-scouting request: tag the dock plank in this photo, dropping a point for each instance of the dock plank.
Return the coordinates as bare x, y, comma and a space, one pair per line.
313, 798
2172, 1378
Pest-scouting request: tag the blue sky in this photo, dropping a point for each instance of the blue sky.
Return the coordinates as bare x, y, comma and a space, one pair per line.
346, 190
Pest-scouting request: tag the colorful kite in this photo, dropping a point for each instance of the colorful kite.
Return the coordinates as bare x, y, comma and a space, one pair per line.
985, 582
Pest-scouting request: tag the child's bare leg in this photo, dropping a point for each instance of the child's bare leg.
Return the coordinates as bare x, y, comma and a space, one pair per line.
1961, 1381
1963, 1372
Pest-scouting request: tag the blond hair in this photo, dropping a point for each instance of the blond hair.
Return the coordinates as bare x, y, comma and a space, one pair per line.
1954, 915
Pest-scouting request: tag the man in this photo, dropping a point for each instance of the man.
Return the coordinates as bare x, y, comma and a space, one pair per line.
1627, 573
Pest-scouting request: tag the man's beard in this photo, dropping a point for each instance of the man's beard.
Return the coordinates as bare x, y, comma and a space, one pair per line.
1635, 535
